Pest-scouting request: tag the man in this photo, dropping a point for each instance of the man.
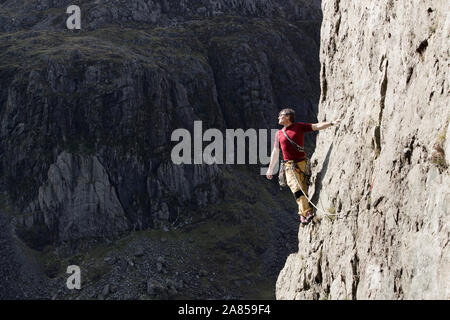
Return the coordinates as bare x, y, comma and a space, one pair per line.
295, 160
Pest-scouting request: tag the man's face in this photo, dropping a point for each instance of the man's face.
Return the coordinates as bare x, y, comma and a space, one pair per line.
283, 118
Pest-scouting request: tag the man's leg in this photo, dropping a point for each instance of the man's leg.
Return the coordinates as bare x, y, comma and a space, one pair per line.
297, 182
302, 201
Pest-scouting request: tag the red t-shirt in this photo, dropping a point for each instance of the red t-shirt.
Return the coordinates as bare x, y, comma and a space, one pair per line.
296, 132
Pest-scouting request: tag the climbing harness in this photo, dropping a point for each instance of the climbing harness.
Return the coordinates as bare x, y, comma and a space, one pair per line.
282, 175
282, 172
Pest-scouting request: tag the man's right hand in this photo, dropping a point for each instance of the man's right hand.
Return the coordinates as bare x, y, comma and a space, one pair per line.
269, 174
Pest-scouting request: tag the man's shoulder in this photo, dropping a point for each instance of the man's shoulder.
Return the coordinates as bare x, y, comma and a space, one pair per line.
302, 123
303, 126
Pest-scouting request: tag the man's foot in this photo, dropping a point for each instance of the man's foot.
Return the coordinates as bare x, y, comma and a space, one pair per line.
309, 216
303, 220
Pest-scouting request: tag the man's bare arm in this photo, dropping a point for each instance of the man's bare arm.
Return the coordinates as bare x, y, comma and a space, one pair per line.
273, 161
324, 125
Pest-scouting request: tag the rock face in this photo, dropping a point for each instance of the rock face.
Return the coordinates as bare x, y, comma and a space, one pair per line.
78, 200
21, 276
384, 171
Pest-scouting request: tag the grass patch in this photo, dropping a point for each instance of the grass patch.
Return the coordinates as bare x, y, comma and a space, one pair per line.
438, 154
332, 212
36, 237
97, 271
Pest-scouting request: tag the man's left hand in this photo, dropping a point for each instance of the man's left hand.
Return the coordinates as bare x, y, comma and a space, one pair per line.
337, 122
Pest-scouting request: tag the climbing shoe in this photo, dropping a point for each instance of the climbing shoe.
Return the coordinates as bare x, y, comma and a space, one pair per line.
309, 216
303, 220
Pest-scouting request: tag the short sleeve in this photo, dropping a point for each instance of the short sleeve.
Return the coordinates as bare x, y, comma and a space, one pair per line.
305, 127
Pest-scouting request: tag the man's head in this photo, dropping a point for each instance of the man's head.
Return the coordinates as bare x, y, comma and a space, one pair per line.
286, 116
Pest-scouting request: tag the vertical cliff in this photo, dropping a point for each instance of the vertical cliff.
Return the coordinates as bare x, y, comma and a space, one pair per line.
381, 179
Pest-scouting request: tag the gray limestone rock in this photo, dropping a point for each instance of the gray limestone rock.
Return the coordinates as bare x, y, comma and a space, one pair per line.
79, 201
384, 70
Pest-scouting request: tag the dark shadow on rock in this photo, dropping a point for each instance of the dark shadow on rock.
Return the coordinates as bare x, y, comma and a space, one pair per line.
320, 175
21, 277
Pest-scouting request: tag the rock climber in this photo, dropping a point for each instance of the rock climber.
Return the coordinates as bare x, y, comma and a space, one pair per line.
294, 157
